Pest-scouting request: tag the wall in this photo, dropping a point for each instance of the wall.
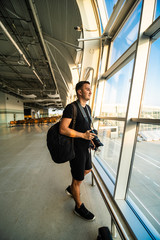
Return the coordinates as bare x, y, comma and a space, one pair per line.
11, 108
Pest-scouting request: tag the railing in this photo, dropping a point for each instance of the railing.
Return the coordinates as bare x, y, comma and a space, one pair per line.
117, 218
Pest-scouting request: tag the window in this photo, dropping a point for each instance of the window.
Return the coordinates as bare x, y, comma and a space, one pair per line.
151, 100
127, 35
158, 9
116, 92
102, 14
129, 167
144, 188
110, 134
110, 5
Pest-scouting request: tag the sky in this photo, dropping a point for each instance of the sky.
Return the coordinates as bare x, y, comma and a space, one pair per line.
119, 82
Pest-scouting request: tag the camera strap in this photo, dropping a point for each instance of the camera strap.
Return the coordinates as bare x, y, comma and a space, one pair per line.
84, 113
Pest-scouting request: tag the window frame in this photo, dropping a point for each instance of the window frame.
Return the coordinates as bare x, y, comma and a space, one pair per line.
151, 33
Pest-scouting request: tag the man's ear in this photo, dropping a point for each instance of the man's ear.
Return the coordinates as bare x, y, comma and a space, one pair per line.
79, 92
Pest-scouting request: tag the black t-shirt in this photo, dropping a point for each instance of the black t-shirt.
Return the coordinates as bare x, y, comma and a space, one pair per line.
81, 124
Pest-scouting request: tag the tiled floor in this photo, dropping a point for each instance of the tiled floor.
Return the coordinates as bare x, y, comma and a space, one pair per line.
33, 203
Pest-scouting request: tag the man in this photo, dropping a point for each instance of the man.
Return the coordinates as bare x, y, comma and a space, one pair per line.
81, 165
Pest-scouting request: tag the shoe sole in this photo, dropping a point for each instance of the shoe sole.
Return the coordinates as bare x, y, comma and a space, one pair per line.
88, 220
68, 193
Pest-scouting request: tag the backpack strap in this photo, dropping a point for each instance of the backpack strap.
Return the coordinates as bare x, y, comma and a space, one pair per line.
74, 115
74, 120
84, 113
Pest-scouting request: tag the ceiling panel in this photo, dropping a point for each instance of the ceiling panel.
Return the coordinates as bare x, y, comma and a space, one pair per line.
57, 19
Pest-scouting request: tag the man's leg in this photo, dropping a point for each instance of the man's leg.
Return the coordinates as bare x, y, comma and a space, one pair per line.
75, 189
80, 209
86, 172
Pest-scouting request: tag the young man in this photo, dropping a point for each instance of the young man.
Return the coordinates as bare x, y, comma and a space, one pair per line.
81, 165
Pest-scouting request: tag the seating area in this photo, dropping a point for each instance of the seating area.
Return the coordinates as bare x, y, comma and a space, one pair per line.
34, 121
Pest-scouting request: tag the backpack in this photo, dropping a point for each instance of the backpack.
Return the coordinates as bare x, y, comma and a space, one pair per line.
61, 147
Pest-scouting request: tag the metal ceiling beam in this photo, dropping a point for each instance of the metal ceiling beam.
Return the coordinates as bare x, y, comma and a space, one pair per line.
18, 49
23, 76
14, 43
36, 19
92, 39
66, 57
58, 68
66, 43
56, 101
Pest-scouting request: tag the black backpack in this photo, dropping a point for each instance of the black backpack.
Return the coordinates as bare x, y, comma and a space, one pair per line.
61, 147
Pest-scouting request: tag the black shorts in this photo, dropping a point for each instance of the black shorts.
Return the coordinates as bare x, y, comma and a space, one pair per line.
80, 163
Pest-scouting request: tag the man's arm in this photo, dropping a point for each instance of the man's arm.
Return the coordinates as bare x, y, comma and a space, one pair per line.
65, 130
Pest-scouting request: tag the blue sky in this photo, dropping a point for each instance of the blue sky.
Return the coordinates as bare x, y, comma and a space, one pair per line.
109, 5
127, 35
152, 87
116, 85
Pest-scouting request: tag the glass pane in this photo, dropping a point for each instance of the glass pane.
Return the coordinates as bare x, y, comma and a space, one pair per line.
158, 9
110, 5
101, 26
116, 92
110, 134
151, 100
102, 11
127, 35
144, 188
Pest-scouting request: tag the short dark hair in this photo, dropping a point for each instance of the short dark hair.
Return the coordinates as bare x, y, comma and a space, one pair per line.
80, 84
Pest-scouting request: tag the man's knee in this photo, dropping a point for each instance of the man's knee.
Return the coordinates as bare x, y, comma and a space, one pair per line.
87, 171
76, 182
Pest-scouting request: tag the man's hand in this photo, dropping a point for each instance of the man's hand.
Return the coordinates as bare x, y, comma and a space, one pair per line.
88, 135
93, 147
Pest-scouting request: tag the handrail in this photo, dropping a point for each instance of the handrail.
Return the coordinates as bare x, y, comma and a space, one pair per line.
123, 228
146, 120
110, 118
138, 120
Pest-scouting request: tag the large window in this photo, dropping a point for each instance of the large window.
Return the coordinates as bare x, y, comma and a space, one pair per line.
158, 9
110, 133
144, 188
127, 35
129, 119
151, 100
116, 92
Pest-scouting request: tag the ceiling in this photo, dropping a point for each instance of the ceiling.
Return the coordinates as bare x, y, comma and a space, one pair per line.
38, 46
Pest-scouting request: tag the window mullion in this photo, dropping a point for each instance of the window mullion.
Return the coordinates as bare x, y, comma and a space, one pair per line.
134, 100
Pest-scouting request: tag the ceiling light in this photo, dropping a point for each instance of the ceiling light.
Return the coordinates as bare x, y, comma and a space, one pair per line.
29, 96
53, 95
78, 28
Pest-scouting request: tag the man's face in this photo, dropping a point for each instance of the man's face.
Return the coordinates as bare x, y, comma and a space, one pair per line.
85, 92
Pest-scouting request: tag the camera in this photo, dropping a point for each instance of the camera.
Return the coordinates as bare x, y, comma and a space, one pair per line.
96, 140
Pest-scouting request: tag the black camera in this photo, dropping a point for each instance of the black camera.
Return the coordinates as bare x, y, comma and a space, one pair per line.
96, 140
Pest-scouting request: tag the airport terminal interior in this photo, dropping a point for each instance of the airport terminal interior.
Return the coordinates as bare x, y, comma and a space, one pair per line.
46, 48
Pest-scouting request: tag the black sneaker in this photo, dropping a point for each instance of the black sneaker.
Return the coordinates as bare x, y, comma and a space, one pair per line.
84, 213
68, 191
